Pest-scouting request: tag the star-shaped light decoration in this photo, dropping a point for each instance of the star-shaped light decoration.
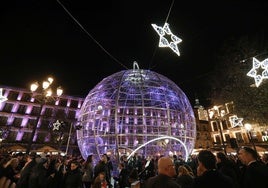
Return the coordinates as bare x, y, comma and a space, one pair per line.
2, 98
254, 71
56, 125
163, 32
235, 121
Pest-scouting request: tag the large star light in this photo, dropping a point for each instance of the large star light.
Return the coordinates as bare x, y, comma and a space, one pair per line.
235, 121
164, 32
257, 65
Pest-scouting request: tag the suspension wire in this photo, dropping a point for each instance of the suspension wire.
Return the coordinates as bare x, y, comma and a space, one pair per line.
246, 59
91, 36
169, 11
152, 59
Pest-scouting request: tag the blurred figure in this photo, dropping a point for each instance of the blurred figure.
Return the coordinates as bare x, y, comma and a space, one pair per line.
73, 177
165, 177
227, 167
100, 181
122, 177
185, 177
207, 174
264, 159
88, 172
255, 173
26, 171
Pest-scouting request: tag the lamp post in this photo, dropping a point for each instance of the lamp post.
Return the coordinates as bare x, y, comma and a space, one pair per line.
43, 97
248, 127
217, 115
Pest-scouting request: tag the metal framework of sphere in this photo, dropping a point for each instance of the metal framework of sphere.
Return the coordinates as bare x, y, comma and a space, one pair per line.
136, 111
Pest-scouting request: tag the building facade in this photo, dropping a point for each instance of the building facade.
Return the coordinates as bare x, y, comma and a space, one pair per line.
21, 113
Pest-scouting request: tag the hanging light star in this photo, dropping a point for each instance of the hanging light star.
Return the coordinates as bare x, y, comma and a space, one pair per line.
235, 121
163, 32
2, 98
254, 71
56, 125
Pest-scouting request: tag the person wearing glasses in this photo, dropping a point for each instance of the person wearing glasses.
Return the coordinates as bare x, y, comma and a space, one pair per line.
166, 175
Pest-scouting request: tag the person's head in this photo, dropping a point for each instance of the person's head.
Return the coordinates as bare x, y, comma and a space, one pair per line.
166, 166
101, 176
206, 161
247, 155
74, 165
264, 158
182, 170
104, 158
221, 157
90, 158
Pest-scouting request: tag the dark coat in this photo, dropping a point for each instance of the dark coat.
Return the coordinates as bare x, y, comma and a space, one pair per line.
73, 179
161, 181
255, 175
212, 179
186, 181
23, 181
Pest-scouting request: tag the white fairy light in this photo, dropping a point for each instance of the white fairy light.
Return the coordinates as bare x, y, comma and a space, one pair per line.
254, 71
163, 32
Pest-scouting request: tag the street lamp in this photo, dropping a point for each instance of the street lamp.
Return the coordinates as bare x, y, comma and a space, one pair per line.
248, 127
216, 114
43, 97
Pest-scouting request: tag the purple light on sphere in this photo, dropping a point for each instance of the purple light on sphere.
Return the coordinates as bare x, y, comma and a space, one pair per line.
136, 111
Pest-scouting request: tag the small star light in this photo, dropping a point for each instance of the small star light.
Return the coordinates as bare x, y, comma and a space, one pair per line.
163, 42
2, 98
235, 121
254, 73
56, 125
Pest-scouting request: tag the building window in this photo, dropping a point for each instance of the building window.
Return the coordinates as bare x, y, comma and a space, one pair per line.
3, 120
22, 109
48, 112
74, 104
71, 114
13, 95
36, 111
63, 102
26, 97
8, 107
17, 122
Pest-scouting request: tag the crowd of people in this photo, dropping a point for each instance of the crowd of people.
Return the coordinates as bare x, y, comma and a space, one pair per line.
245, 170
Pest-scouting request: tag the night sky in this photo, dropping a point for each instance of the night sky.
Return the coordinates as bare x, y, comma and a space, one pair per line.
80, 42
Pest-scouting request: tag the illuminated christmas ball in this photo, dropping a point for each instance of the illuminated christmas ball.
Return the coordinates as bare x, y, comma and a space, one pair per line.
136, 111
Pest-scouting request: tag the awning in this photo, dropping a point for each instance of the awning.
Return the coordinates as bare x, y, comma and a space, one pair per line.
16, 148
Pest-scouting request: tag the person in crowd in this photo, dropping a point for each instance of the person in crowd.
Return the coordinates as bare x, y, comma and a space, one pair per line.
73, 177
38, 177
227, 167
207, 174
102, 166
55, 178
26, 171
255, 173
122, 178
10, 169
264, 158
100, 181
185, 177
165, 177
88, 171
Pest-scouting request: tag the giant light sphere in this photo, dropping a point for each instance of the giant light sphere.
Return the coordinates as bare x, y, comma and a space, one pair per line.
136, 111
